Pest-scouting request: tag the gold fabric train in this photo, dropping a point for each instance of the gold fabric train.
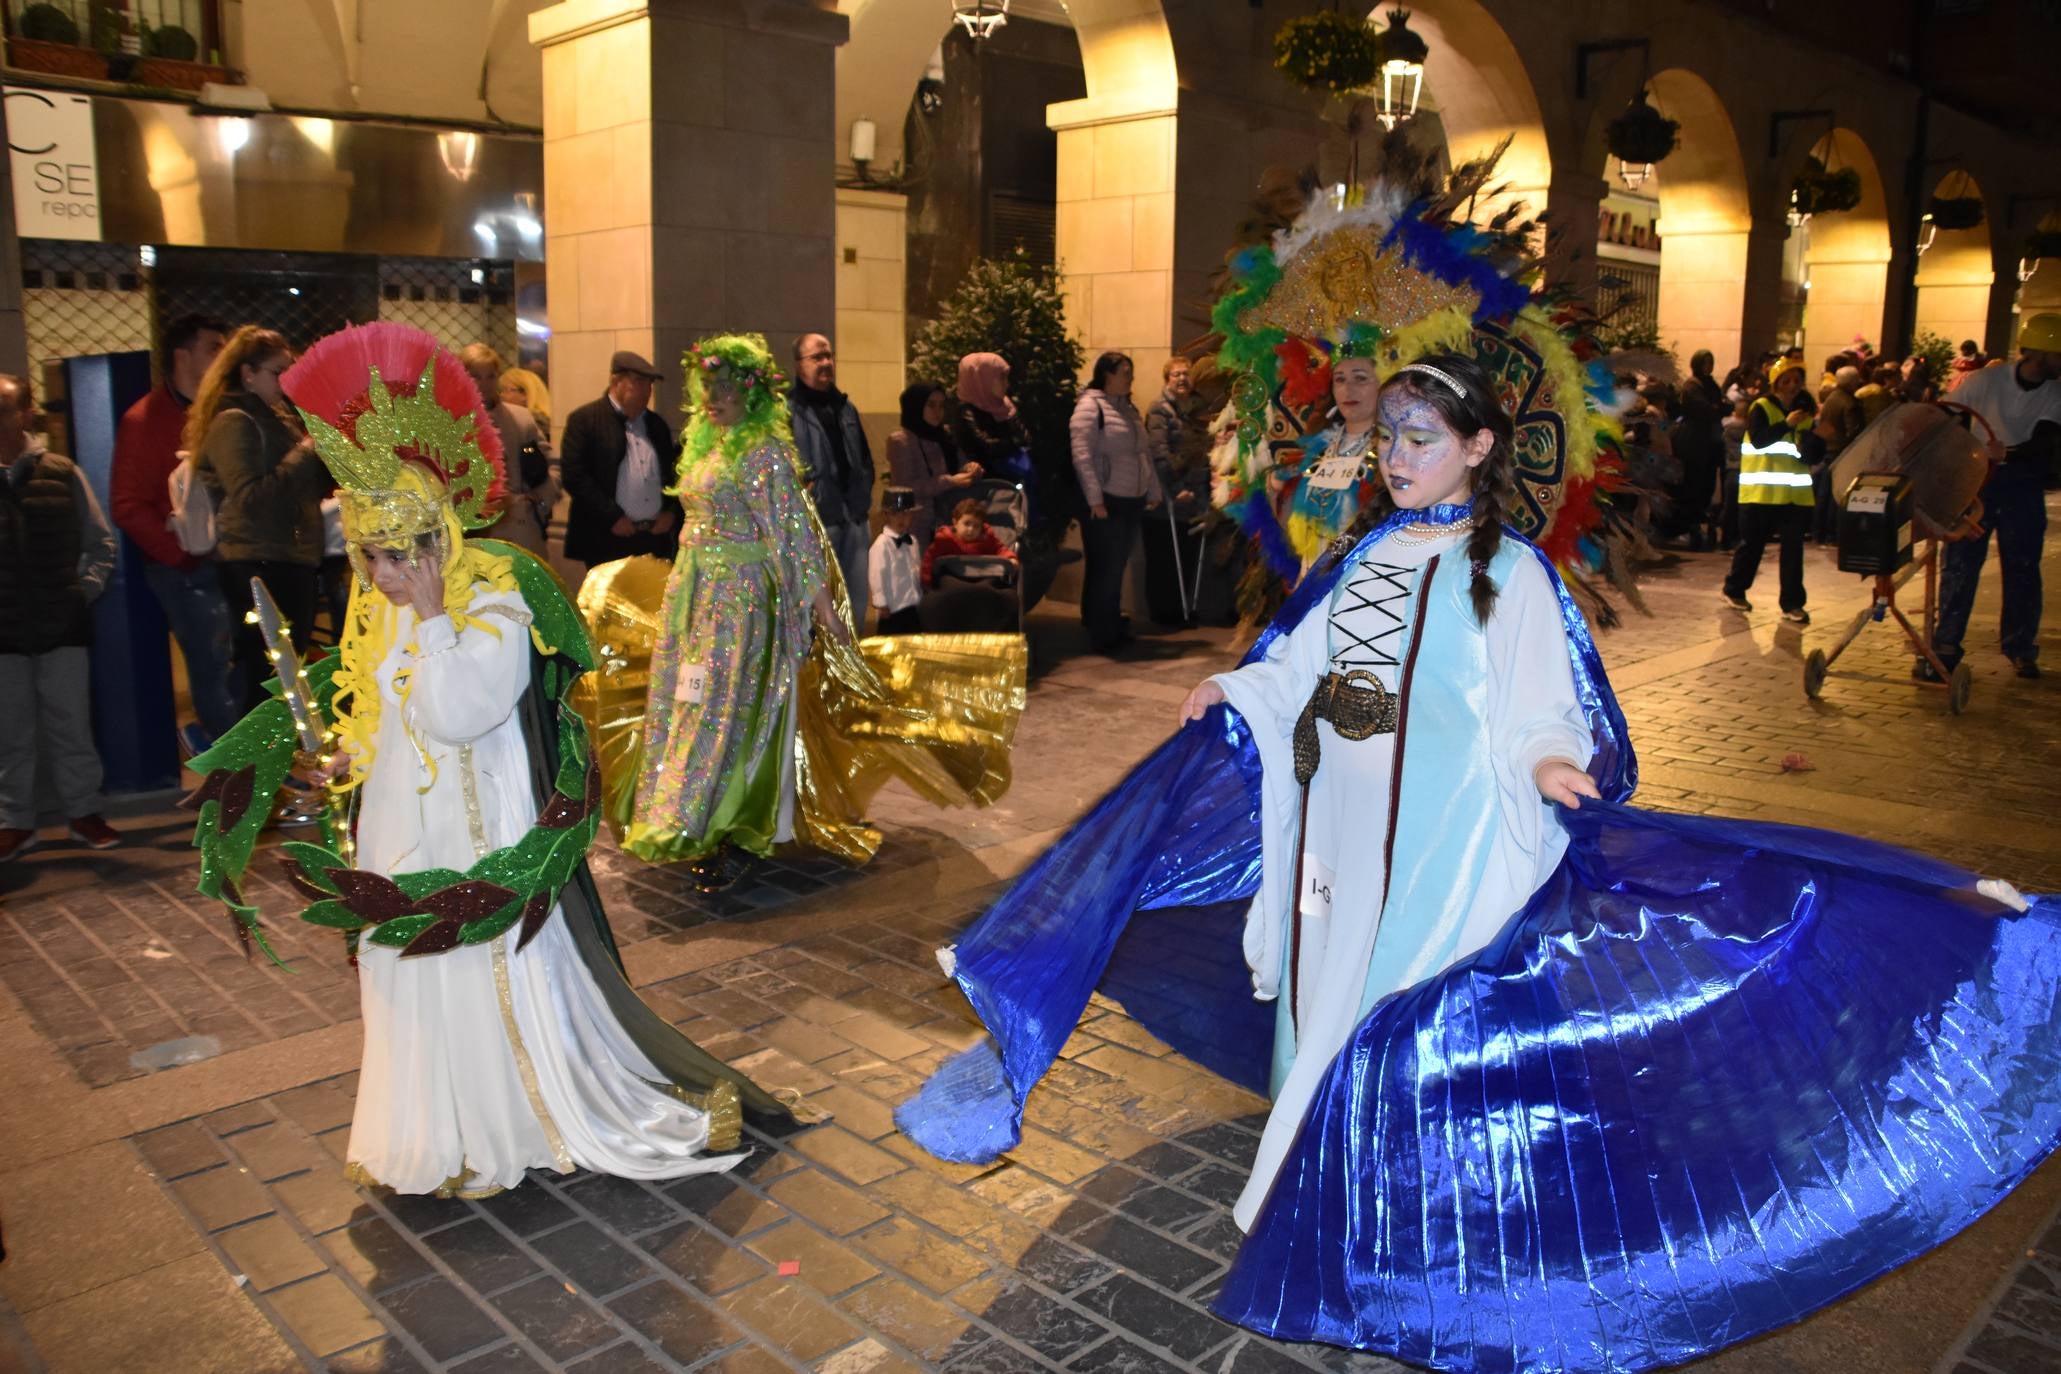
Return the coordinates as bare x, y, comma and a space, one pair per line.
937, 711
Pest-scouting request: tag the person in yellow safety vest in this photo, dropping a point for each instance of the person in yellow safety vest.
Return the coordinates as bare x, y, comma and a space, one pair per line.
1775, 497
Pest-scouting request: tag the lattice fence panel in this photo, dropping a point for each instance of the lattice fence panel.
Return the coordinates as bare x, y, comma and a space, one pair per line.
440, 297
79, 299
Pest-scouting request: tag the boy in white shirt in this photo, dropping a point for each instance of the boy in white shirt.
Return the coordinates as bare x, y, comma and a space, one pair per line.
893, 566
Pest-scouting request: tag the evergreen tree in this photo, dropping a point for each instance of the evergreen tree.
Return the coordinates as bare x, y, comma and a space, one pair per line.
1011, 307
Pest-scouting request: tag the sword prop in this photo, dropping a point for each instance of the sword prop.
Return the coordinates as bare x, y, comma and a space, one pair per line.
293, 683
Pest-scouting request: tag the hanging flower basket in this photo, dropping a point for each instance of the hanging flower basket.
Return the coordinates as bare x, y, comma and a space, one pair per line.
2043, 243
1822, 192
1955, 212
1327, 51
1641, 134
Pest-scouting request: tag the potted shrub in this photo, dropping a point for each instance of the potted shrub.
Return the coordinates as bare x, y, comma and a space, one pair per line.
47, 40
171, 60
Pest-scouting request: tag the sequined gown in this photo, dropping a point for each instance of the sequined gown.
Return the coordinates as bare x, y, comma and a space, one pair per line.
718, 760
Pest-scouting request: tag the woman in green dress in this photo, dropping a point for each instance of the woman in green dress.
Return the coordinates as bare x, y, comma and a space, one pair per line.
748, 587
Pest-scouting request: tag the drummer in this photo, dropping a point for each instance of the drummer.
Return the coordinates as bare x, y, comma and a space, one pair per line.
2023, 407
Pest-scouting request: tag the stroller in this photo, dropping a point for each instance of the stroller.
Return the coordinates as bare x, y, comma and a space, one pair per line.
962, 579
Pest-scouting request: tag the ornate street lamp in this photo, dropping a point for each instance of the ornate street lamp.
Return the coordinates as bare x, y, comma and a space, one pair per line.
1796, 216
2026, 267
980, 18
1633, 174
1402, 70
1927, 232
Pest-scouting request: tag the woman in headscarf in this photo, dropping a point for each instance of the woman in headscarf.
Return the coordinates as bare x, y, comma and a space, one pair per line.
922, 457
986, 428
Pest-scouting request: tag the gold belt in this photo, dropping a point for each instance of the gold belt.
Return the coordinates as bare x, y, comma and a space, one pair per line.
1356, 704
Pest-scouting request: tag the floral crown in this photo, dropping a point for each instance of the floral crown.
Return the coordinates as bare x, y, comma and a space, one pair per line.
735, 360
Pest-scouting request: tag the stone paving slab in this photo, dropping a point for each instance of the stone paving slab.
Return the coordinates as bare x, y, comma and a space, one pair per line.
844, 1248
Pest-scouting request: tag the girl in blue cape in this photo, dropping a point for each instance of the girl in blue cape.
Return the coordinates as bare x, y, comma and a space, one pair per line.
1558, 1084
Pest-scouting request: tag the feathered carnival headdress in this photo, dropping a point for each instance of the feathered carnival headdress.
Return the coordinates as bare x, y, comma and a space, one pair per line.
401, 426
1392, 279
743, 364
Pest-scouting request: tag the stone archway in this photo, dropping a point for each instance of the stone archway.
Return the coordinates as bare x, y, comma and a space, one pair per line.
1957, 272
1477, 87
1706, 223
1114, 221
1846, 256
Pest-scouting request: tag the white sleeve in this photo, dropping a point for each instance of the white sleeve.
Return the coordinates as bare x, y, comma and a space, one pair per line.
876, 570
1271, 693
1534, 714
467, 683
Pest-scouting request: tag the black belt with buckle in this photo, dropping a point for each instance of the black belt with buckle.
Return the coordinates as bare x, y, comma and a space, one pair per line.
1358, 707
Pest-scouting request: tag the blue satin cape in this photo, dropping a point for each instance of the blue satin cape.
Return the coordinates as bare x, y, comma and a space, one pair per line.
1712, 1076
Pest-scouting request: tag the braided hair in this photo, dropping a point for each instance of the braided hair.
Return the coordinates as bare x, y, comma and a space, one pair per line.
1492, 483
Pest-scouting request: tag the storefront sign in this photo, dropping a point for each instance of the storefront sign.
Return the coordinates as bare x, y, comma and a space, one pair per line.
50, 148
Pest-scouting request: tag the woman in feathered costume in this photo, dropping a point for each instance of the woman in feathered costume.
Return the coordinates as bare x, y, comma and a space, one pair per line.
1559, 1085
749, 588
500, 1033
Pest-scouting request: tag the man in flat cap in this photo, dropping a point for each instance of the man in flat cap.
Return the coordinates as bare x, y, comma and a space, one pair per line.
616, 459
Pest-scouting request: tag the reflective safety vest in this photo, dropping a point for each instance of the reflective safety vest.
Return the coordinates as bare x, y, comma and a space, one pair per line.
1775, 475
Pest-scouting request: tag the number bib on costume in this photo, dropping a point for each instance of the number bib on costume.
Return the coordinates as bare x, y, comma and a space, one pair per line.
1336, 473
692, 685
1314, 901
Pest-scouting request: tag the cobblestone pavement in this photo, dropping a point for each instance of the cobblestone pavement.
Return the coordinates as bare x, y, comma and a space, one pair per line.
195, 1217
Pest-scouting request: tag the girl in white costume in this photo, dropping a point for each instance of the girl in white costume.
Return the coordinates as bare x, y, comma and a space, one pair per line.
483, 1057
1441, 440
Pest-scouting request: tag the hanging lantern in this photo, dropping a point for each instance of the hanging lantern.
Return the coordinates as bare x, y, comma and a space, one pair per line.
2026, 267
1402, 69
1797, 216
1928, 230
1633, 174
980, 18
459, 149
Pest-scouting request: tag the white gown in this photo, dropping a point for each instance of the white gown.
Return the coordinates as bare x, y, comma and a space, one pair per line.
482, 1061
1534, 716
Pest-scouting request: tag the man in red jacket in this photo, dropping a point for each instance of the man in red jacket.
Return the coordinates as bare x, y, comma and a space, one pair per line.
146, 452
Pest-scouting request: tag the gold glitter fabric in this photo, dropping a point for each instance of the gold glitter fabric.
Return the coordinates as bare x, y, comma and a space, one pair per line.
1346, 277
937, 711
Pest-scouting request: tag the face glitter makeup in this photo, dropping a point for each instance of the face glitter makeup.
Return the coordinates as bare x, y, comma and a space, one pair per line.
1423, 462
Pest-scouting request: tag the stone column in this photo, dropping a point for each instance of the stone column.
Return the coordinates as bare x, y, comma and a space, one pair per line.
1116, 230
689, 169
1956, 280
1572, 205
14, 338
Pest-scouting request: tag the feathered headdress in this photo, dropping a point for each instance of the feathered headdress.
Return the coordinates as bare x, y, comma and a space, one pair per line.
402, 428
1396, 276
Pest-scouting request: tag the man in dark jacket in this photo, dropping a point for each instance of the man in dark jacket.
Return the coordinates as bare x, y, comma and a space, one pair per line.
56, 555
837, 462
615, 459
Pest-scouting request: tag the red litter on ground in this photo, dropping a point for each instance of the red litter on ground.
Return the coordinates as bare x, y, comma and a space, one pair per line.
1798, 763
789, 1268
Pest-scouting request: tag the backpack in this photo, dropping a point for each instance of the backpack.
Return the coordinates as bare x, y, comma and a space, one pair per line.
192, 521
